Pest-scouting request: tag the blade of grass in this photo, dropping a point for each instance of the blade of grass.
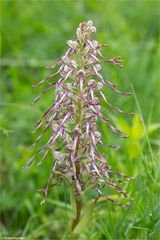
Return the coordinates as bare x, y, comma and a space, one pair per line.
104, 229
142, 119
59, 204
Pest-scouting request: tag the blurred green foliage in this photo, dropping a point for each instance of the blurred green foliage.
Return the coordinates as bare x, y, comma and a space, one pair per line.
33, 35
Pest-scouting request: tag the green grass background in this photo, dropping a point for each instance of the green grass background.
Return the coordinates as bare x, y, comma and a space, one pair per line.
34, 35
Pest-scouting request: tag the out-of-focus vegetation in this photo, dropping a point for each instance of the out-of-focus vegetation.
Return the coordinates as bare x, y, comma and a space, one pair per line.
33, 35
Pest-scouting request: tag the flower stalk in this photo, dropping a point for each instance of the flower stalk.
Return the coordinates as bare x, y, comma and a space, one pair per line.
72, 119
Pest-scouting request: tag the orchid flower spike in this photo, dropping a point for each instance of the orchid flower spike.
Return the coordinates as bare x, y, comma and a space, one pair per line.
72, 119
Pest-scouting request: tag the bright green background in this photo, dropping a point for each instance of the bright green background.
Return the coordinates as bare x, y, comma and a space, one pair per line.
33, 35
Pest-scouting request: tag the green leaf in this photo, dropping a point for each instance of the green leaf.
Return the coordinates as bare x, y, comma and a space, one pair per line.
123, 126
134, 148
104, 229
59, 204
153, 127
137, 128
85, 219
73, 203
112, 197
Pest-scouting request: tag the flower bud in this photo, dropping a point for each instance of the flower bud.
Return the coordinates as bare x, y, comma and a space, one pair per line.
83, 26
72, 44
91, 82
73, 63
97, 135
90, 23
90, 61
99, 85
95, 43
93, 30
69, 86
79, 33
89, 115
59, 155
81, 71
65, 59
87, 49
98, 67
66, 69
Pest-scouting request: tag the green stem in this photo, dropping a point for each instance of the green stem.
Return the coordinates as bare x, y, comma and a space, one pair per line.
78, 199
75, 220
78, 203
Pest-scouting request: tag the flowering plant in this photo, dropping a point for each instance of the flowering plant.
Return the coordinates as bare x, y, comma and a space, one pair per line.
72, 118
